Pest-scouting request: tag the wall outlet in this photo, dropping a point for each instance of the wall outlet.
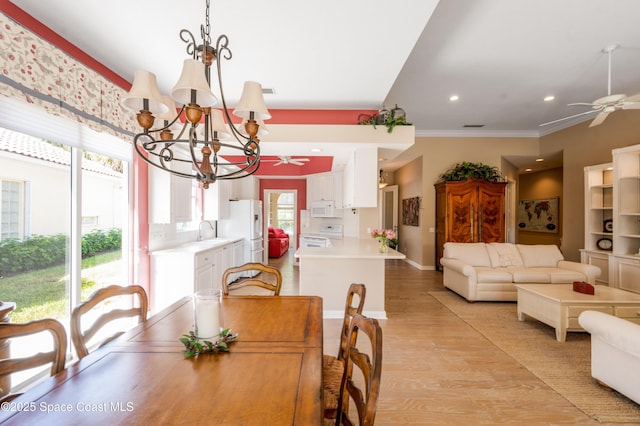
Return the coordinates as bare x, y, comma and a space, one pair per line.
432, 229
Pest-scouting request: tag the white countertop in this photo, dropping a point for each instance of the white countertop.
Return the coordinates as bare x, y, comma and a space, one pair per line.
193, 247
362, 248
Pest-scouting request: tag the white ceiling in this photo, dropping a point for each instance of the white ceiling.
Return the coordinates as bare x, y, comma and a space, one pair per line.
500, 56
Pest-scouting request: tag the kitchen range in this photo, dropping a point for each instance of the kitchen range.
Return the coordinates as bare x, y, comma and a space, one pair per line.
323, 238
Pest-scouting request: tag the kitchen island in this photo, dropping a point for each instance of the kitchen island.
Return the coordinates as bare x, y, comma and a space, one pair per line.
329, 271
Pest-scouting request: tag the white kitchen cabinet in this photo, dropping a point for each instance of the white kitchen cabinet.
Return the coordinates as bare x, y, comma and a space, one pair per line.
324, 186
361, 179
180, 272
247, 188
216, 200
170, 196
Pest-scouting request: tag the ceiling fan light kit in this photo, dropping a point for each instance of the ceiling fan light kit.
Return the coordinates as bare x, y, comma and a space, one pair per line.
193, 153
607, 104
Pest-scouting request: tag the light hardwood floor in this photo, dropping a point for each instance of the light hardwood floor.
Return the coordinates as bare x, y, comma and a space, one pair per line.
439, 371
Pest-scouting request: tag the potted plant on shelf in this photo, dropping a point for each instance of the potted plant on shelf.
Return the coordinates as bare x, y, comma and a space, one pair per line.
390, 119
467, 170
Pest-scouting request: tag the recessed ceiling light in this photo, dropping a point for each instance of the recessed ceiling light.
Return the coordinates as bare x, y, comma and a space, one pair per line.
527, 170
454, 98
539, 160
316, 150
381, 159
549, 98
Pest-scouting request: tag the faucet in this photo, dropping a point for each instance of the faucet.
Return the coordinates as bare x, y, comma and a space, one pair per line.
200, 229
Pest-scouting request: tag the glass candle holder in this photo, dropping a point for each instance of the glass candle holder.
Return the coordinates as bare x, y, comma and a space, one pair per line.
207, 313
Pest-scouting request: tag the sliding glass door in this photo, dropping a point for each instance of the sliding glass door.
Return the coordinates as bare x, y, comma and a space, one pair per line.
64, 227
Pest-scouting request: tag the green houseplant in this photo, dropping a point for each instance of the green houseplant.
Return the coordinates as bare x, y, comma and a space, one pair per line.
390, 119
467, 170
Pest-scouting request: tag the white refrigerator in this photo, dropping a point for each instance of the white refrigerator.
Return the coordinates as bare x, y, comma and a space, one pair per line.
245, 221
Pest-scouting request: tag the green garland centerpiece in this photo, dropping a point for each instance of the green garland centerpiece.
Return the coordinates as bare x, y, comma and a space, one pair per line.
195, 346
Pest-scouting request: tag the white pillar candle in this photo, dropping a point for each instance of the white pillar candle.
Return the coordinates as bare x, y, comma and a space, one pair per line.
207, 313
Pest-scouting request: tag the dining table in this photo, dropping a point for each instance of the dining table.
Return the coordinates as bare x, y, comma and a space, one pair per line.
271, 375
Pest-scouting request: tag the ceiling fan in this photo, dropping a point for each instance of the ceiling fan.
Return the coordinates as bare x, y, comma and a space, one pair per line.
605, 105
286, 159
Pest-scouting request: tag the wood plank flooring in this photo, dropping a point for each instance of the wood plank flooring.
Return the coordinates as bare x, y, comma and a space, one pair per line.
439, 371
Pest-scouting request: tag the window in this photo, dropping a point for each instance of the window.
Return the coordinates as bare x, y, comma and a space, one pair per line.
283, 215
72, 215
12, 209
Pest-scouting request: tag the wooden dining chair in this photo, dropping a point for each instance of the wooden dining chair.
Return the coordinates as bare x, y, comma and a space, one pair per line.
333, 366
268, 278
361, 389
82, 336
56, 356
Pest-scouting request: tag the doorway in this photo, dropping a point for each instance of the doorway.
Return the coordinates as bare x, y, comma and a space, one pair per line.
280, 212
389, 208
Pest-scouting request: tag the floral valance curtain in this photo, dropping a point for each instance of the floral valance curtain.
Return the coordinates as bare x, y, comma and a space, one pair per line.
38, 72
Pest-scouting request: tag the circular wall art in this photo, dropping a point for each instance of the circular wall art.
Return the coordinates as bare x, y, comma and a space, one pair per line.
608, 225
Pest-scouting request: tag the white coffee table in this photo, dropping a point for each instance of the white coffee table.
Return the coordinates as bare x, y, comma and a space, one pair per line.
559, 306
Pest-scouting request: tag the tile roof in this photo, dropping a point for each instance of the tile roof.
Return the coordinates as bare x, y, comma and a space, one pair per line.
33, 147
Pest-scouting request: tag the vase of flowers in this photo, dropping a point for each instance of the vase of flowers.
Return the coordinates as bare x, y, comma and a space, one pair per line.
383, 235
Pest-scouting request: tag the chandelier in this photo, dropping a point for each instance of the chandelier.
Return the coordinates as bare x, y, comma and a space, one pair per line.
186, 142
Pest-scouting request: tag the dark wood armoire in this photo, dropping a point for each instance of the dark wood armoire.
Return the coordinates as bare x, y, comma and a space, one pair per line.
469, 212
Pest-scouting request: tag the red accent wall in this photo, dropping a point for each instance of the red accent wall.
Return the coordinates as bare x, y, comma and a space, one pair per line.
287, 184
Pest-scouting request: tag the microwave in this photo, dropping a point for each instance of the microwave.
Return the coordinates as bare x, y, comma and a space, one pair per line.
322, 208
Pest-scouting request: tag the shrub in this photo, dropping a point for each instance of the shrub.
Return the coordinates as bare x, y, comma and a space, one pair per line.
41, 251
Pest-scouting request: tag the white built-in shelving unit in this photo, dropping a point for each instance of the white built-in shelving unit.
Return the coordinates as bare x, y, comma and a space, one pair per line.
616, 201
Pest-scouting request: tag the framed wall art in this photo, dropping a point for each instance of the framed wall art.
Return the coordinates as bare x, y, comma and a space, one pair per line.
411, 211
539, 215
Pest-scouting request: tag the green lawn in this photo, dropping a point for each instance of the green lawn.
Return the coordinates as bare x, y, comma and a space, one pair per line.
43, 293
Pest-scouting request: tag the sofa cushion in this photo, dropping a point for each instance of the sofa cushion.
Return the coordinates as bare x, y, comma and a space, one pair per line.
533, 275
565, 276
493, 275
540, 255
472, 253
504, 255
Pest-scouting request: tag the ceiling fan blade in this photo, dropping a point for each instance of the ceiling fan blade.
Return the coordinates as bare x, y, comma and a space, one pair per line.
591, 104
570, 117
599, 119
634, 98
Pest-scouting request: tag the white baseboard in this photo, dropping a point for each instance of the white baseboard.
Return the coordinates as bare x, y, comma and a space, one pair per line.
421, 267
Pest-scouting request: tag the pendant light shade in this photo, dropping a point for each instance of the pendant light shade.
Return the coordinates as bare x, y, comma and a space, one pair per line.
252, 101
193, 78
144, 87
218, 124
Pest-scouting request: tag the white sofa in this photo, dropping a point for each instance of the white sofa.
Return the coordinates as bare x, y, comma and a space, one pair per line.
615, 352
488, 271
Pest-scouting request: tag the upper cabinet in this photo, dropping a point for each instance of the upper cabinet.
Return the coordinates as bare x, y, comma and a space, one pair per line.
170, 198
216, 200
325, 186
361, 179
626, 200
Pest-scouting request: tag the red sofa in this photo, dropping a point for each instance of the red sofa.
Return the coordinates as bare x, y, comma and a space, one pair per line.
278, 242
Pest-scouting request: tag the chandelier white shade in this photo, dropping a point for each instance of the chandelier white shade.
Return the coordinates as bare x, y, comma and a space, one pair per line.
252, 102
145, 87
198, 126
192, 87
